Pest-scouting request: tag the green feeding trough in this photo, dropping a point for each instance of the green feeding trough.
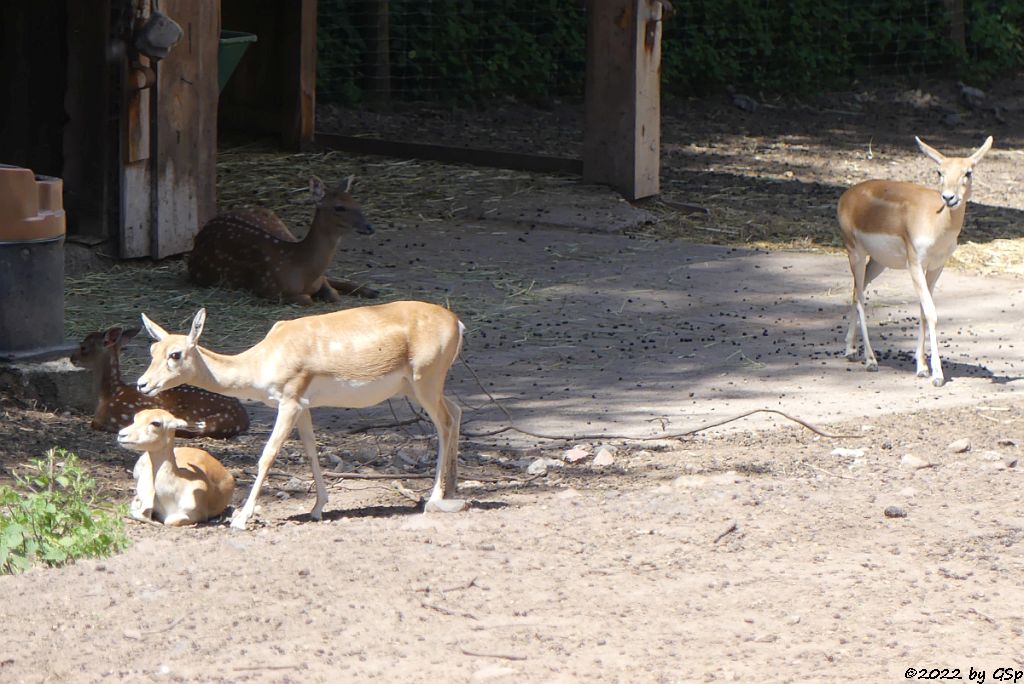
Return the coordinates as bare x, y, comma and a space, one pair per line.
233, 45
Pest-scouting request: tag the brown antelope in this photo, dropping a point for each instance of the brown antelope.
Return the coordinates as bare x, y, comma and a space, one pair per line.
253, 250
117, 402
348, 359
895, 224
175, 486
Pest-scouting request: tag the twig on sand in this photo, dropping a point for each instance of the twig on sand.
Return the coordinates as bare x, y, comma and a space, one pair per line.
448, 611
732, 528
504, 656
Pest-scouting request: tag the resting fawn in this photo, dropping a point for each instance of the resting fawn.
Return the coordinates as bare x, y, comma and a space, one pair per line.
253, 250
117, 402
175, 486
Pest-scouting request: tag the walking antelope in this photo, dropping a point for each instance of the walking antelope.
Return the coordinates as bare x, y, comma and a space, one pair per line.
895, 224
208, 414
175, 486
348, 359
253, 250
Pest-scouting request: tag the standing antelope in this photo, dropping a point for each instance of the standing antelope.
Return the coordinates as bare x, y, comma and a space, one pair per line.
895, 224
348, 359
253, 250
175, 486
117, 402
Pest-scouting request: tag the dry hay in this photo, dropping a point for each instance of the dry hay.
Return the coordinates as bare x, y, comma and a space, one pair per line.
394, 193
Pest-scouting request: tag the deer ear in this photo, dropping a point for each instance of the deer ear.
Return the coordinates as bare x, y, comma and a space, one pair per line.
111, 337
154, 330
177, 423
980, 152
197, 327
317, 189
349, 182
930, 151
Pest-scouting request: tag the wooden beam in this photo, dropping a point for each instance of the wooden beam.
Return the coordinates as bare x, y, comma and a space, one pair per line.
622, 138
957, 25
299, 81
450, 155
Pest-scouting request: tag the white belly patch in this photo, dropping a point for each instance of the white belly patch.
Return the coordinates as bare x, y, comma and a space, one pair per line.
888, 250
354, 394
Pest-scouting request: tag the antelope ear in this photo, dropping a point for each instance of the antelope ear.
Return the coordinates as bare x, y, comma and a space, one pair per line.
930, 151
128, 334
980, 152
177, 423
349, 182
317, 189
197, 327
112, 336
154, 330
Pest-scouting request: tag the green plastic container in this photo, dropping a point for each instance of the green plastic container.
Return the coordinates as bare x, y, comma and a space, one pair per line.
233, 45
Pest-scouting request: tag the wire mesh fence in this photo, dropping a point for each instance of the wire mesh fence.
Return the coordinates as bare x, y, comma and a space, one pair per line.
507, 74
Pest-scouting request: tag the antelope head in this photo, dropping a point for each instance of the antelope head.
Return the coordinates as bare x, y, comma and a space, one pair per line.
175, 358
954, 172
150, 429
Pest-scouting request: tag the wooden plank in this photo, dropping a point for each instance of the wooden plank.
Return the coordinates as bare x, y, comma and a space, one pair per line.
137, 185
185, 130
298, 84
451, 155
379, 53
957, 25
621, 142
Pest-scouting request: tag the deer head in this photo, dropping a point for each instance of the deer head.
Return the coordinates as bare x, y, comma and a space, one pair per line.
954, 172
175, 358
150, 429
336, 209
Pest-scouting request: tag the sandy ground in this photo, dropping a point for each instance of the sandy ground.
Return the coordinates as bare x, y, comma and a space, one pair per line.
756, 552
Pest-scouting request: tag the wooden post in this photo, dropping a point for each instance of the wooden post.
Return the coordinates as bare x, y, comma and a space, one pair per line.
957, 25
379, 53
299, 80
622, 138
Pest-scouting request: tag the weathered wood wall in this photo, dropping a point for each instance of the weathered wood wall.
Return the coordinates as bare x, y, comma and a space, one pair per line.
170, 192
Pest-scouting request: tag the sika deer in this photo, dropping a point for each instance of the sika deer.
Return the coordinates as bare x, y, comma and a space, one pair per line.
254, 250
894, 224
175, 486
116, 402
349, 359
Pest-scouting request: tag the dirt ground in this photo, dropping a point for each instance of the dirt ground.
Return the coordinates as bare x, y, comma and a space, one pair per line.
757, 552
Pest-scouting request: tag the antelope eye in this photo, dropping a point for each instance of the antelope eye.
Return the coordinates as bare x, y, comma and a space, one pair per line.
968, 174
175, 355
340, 207
156, 424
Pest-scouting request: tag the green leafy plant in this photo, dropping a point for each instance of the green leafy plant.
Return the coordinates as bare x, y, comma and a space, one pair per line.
50, 516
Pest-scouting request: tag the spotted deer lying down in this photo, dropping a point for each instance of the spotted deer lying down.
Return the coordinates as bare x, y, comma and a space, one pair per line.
175, 486
117, 402
253, 250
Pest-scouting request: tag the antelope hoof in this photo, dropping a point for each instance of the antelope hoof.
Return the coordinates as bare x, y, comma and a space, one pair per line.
938, 381
852, 355
871, 366
238, 522
923, 373
445, 506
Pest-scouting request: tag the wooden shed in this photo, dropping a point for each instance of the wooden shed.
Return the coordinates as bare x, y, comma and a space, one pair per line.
135, 139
